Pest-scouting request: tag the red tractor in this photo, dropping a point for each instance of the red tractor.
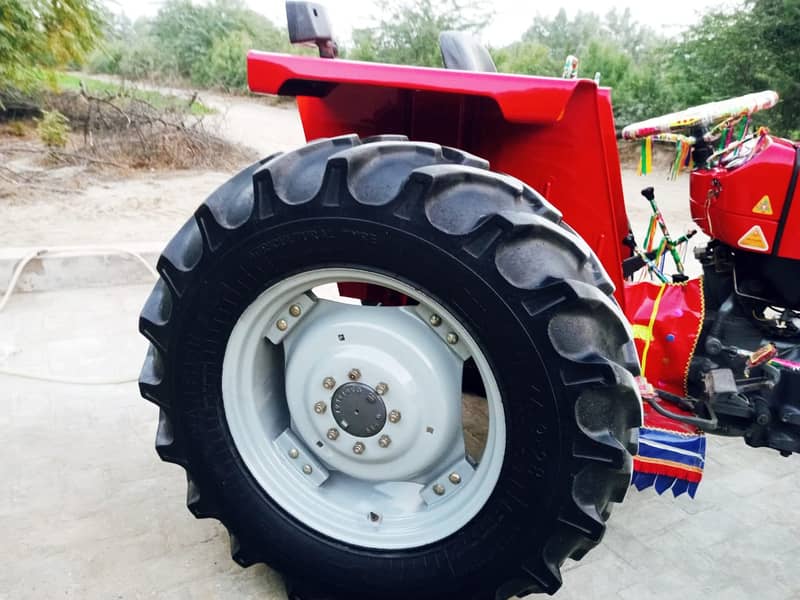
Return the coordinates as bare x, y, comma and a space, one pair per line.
474, 227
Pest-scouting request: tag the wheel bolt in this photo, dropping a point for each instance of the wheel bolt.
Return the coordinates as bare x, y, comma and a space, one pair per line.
320, 407
438, 489
328, 383
384, 441
294, 453
307, 469
381, 389
358, 448
394, 416
452, 338
455, 478
333, 433
295, 310
435, 320
354, 375
282, 325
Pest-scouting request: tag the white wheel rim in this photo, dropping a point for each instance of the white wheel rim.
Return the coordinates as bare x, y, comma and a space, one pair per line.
418, 489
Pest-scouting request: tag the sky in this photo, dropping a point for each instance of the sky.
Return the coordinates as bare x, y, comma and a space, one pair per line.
511, 17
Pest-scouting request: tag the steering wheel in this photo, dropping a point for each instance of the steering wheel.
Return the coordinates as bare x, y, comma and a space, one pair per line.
705, 115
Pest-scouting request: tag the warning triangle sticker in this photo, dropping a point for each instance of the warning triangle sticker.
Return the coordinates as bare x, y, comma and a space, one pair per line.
763, 206
754, 239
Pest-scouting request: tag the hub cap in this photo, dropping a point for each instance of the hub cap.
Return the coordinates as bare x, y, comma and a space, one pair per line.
350, 417
359, 409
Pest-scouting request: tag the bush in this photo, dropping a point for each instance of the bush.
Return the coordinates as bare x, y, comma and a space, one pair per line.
204, 44
226, 65
53, 129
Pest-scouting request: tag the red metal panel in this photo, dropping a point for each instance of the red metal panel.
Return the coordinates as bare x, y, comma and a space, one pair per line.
666, 321
271, 73
729, 210
556, 135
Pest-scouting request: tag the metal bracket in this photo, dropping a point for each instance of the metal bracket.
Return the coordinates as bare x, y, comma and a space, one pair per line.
300, 459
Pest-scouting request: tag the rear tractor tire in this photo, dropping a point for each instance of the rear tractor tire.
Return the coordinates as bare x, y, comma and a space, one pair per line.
331, 439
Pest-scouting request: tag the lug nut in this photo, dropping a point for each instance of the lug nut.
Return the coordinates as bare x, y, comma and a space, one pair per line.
282, 325
438, 489
320, 407
295, 310
452, 338
381, 389
294, 453
358, 448
328, 383
394, 416
384, 441
333, 433
435, 320
354, 375
455, 478
307, 469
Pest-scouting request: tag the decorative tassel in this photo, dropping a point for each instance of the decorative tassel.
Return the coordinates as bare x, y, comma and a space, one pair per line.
745, 127
729, 136
676, 164
646, 157
681, 159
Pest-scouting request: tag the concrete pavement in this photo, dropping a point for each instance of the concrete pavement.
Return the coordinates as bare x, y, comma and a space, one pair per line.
87, 510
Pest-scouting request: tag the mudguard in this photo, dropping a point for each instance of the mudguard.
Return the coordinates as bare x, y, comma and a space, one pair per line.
556, 135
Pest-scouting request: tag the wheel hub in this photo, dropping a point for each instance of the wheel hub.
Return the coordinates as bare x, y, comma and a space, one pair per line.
410, 428
358, 409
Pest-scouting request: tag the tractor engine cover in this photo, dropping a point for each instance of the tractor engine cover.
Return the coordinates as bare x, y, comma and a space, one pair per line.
747, 203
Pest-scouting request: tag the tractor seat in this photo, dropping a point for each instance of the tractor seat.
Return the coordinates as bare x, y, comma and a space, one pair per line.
463, 51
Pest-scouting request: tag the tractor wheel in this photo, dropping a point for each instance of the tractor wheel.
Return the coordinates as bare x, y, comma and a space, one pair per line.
332, 439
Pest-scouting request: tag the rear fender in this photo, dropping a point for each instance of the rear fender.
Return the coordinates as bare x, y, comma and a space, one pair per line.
556, 135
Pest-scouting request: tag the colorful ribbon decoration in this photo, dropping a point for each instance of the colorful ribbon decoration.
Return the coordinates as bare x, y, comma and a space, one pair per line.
646, 157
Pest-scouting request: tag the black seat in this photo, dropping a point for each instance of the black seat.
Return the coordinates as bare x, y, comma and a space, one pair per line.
463, 51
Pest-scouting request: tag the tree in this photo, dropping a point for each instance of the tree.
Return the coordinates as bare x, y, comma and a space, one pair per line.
732, 53
38, 35
409, 33
621, 50
531, 58
204, 43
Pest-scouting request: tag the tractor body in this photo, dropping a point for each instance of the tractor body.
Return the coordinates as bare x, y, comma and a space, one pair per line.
558, 136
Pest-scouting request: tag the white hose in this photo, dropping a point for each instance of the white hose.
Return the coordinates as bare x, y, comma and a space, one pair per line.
12, 284
67, 380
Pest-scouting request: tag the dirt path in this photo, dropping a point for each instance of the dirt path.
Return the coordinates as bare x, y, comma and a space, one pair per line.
79, 208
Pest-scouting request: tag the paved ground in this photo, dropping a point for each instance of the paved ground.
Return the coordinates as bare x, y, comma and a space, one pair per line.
87, 510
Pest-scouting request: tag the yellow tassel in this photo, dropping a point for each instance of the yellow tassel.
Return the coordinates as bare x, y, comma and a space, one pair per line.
648, 154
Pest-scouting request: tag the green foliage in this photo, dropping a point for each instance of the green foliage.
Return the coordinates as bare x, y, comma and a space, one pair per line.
226, 65
205, 44
408, 33
532, 58
733, 53
40, 35
615, 46
53, 129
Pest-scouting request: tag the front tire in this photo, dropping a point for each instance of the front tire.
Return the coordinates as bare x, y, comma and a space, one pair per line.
482, 249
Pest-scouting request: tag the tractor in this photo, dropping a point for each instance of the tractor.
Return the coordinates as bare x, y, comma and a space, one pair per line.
410, 359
